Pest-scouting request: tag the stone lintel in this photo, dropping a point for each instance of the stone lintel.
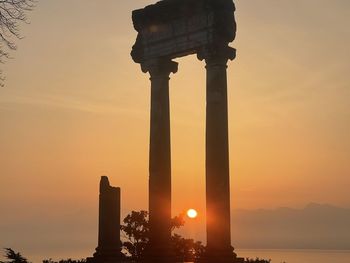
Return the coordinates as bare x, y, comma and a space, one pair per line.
176, 28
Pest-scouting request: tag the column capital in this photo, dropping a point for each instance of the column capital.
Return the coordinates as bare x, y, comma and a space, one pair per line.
159, 67
217, 55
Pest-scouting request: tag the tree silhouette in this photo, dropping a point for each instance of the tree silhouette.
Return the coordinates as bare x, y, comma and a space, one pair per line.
136, 233
187, 250
64, 261
12, 12
13, 257
257, 260
177, 221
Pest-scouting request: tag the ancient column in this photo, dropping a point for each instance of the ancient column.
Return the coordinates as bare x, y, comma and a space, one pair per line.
159, 161
219, 247
109, 245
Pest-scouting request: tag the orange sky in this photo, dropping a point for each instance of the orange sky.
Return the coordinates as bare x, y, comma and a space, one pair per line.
76, 107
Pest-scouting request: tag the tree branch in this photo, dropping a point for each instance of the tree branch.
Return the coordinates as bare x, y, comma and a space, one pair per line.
12, 12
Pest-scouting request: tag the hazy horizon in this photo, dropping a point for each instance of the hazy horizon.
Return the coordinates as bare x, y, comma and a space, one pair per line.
67, 236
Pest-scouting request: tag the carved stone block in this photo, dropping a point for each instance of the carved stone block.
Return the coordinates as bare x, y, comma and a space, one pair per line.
176, 28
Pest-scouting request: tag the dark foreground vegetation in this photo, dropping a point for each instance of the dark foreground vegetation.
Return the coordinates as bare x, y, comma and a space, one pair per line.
16, 257
135, 231
135, 236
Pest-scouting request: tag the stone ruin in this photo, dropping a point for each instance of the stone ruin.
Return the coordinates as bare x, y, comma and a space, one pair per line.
172, 29
109, 244
168, 30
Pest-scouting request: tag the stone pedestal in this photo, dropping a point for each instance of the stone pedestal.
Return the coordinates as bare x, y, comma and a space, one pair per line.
109, 244
159, 249
219, 247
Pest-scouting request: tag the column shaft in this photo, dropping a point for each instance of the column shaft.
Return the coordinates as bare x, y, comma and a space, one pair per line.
160, 162
219, 247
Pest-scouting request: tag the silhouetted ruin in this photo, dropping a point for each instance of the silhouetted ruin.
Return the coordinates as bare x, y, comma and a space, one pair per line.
109, 245
171, 29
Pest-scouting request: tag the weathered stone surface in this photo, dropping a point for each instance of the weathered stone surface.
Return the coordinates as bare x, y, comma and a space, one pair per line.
175, 28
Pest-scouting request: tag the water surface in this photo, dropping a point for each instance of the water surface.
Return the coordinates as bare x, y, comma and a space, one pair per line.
297, 256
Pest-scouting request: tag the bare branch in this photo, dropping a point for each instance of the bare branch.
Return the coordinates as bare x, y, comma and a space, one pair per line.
12, 13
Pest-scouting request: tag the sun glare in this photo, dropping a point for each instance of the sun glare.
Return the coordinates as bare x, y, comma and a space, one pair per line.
191, 213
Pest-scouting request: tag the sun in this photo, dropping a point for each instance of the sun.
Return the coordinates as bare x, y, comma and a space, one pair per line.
191, 213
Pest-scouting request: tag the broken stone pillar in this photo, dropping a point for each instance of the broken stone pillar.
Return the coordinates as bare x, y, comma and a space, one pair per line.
109, 244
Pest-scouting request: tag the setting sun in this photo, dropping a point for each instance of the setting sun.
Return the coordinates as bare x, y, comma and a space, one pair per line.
191, 213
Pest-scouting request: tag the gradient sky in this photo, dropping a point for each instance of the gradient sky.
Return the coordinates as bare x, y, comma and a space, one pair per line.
75, 107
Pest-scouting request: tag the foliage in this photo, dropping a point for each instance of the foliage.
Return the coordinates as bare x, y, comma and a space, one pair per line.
177, 222
257, 260
13, 257
64, 261
187, 250
136, 233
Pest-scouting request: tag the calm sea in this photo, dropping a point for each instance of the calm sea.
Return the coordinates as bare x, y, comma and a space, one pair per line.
297, 256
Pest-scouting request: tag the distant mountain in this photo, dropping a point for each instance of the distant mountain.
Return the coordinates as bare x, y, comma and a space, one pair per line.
314, 227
